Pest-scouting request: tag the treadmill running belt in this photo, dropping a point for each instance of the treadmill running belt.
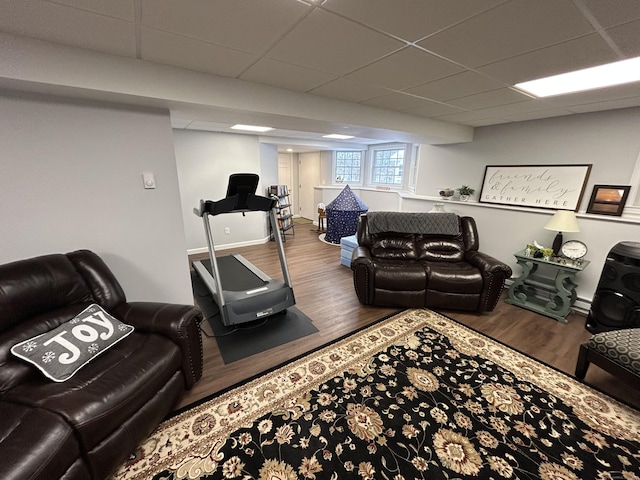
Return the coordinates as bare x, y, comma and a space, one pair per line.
234, 275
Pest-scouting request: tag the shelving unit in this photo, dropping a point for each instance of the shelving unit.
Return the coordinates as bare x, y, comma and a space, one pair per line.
284, 214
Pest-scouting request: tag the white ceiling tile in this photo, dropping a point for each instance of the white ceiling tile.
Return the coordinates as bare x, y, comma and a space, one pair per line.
170, 49
502, 96
627, 38
326, 42
397, 101
524, 25
248, 25
574, 54
613, 12
67, 25
458, 85
123, 9
419, 18
284, 75
433, 109
405, 68
349, 91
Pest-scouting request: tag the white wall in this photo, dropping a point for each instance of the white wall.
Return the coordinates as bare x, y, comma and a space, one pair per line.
70, 178
609, 140
204, 161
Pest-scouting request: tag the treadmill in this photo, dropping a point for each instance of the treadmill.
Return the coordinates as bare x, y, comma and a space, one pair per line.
243, 292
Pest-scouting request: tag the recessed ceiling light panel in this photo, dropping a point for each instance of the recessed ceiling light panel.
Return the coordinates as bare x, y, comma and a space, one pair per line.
617, 73
252, 128
337, 136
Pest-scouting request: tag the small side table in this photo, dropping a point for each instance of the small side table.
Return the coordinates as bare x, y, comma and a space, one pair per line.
530, 289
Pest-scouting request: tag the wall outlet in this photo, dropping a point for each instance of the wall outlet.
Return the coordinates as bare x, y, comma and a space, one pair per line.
227, 230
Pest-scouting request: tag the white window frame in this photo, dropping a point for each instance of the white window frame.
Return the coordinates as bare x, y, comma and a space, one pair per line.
405, 163
334, 166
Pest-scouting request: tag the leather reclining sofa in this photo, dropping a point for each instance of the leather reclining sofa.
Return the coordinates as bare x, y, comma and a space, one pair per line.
88, 425
406, 259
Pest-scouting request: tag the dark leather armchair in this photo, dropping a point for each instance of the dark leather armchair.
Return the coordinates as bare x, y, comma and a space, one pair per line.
408, 259
86, 426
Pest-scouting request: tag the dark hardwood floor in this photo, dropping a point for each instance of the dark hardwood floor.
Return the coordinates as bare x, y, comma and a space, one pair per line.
324, 291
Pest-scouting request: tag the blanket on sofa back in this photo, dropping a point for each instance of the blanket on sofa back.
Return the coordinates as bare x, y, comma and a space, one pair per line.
414, 222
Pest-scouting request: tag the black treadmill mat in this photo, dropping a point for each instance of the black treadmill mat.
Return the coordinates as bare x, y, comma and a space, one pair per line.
234, 275
243, 340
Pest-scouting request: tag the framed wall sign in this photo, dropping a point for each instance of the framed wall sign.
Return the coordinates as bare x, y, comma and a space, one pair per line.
608, 199
556, 187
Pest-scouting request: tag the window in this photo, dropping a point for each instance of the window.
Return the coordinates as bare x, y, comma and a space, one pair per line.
348, 166
387, 166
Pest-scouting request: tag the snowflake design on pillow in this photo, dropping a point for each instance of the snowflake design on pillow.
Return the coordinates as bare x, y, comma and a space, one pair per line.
29, 346
48, 357
93, 348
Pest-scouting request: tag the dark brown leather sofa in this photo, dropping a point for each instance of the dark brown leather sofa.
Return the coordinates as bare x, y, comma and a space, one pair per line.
86, 426
406, 259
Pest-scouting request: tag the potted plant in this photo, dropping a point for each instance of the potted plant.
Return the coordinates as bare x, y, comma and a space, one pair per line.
465, 192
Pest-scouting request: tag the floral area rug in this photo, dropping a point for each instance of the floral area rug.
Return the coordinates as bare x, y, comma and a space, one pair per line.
416, 396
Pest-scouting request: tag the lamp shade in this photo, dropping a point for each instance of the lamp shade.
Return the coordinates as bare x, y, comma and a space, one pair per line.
563, 221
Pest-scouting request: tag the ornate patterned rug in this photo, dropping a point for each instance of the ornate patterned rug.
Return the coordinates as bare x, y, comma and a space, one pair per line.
415, 396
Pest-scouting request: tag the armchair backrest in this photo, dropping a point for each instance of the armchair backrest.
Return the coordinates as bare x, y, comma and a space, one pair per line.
450, 246
38, 294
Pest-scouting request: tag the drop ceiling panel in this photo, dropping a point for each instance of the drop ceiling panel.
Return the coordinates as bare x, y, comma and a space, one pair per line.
432, 109
326, 42
458, 85
524, 25
627, 38
170, 49
501, 96
397, 101
285, 75
348, 90
575, 54
613, 12
69, 26
123, 9
619, 92
406, 68
248, 25
418, 18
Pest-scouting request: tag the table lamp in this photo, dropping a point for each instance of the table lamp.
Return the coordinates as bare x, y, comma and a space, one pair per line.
562, 221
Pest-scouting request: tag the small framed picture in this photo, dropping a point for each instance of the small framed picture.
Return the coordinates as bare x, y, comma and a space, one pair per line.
608, 199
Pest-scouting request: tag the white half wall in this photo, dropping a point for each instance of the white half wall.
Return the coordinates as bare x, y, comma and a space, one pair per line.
71, 178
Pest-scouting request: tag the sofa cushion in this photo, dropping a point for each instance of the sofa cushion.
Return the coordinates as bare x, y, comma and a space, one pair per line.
399, 276
440, 249
394, 246
459, 277
36, 444
61, 352
107, 391
38, 285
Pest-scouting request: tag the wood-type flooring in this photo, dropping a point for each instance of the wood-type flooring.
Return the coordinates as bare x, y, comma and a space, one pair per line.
324, 291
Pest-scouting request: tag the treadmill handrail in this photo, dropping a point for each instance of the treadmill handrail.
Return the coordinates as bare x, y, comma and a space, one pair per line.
255, 203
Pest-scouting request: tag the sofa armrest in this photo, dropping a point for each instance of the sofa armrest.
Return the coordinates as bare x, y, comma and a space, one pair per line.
488, 264
180, 323
362, 266
494, 273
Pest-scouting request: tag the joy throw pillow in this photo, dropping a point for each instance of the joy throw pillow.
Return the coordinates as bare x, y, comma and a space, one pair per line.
61, 352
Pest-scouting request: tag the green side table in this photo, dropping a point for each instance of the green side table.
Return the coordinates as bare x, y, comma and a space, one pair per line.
553, 295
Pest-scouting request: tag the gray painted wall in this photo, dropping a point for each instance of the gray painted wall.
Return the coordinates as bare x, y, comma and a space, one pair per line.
71, 178
204, 161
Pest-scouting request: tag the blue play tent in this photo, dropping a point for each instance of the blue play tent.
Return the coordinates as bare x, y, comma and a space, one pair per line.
342, 215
